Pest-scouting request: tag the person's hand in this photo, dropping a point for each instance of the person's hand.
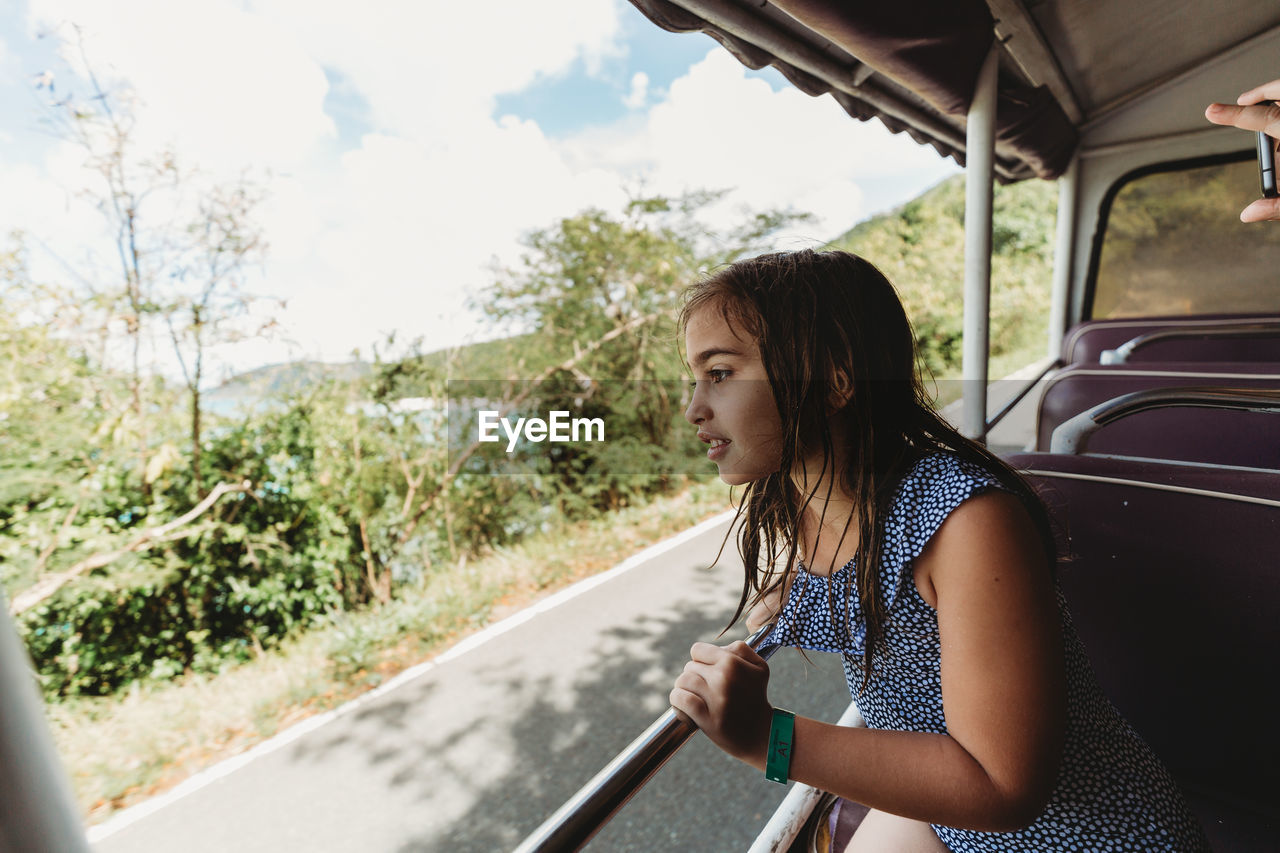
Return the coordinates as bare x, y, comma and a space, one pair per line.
724, 692
1249, 113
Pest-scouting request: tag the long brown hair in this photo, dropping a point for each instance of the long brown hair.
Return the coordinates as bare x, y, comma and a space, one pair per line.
826, 320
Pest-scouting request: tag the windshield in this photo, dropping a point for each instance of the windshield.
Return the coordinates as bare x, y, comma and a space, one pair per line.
1173, 245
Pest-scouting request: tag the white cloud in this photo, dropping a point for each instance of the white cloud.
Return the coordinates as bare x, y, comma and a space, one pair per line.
635, 99
395, 232
433, 69
719, 128
224, 87
402, 232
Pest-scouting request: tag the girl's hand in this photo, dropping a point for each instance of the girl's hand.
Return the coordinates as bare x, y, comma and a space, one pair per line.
724, 692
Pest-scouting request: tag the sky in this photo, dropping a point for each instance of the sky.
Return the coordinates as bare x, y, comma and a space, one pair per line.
405, 147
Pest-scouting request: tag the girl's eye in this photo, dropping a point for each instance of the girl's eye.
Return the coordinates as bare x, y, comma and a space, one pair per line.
717, 376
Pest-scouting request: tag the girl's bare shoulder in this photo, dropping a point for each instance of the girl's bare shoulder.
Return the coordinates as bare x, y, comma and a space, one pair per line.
988, 536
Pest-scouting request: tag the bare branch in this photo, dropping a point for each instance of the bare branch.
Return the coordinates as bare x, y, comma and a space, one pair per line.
57, 538
151, 536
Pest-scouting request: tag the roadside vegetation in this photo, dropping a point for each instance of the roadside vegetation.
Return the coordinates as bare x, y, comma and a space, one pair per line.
121, 749
191, 574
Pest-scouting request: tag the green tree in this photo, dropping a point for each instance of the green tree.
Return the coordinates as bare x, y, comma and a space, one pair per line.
920, 247
596, 295
181, 244
209, 304
62, 432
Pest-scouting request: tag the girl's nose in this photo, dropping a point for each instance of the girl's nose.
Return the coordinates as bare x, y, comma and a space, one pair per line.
696, 412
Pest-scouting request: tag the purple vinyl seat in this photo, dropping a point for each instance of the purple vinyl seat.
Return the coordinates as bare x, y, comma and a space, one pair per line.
1198, 435
1172, 583
1087, 342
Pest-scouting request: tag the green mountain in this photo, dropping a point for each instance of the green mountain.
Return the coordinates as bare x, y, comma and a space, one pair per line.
245, 391
920, 247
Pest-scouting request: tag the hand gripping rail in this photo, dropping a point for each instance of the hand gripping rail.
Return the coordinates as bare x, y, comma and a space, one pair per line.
579, 819
1121, 354
1072, 436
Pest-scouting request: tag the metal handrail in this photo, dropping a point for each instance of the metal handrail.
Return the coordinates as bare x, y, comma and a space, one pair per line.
1072, 436
1120, 355
586, 812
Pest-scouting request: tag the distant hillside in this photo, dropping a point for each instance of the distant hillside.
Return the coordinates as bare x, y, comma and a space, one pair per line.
487, 359
245, 391
484, 360
920, 247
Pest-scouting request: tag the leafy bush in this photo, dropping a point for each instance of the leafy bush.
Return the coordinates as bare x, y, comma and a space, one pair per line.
263, 564
920, 247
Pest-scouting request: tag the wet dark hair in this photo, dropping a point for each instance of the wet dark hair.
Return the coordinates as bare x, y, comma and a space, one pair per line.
828, 321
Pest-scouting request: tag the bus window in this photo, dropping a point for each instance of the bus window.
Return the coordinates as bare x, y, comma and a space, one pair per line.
1173, 245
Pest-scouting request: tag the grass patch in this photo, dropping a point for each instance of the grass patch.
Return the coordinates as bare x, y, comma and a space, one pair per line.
122, 749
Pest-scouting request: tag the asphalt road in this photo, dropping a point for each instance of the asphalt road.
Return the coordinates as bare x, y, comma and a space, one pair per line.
477, 751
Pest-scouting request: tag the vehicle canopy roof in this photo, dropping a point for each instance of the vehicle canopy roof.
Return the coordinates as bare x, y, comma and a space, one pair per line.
1073, 74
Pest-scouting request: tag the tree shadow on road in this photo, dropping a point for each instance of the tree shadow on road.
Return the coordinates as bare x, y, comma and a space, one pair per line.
486, 775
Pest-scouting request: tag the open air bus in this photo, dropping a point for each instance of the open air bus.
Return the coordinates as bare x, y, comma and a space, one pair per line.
1149, 427
1149, 424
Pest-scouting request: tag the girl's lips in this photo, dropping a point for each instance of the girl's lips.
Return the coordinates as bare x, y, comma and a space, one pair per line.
719, 447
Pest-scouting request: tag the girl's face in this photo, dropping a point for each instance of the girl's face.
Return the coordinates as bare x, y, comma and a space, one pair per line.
732, 406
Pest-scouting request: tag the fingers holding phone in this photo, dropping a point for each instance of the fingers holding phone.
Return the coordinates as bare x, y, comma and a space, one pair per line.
1258, 94
1258, 111
1253, 110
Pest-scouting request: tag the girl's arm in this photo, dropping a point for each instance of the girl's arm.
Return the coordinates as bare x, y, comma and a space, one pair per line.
1003, 689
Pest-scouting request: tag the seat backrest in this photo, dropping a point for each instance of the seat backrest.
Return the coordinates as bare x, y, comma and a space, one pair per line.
1085, 342
1172, 582
1188, 434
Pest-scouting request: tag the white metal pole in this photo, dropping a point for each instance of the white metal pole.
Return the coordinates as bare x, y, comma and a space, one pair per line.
37, 809
979, 170
1068, 185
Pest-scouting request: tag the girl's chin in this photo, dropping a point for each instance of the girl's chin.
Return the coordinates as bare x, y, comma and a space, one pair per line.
743, 468
741, 478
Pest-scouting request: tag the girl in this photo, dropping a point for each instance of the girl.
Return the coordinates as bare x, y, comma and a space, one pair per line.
919, 557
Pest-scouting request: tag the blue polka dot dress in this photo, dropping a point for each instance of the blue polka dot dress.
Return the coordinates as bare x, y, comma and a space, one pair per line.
1112, 793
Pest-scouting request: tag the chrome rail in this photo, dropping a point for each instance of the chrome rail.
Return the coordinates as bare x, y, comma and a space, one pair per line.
1072, 435
1121, 354
579, 819
1043, 368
